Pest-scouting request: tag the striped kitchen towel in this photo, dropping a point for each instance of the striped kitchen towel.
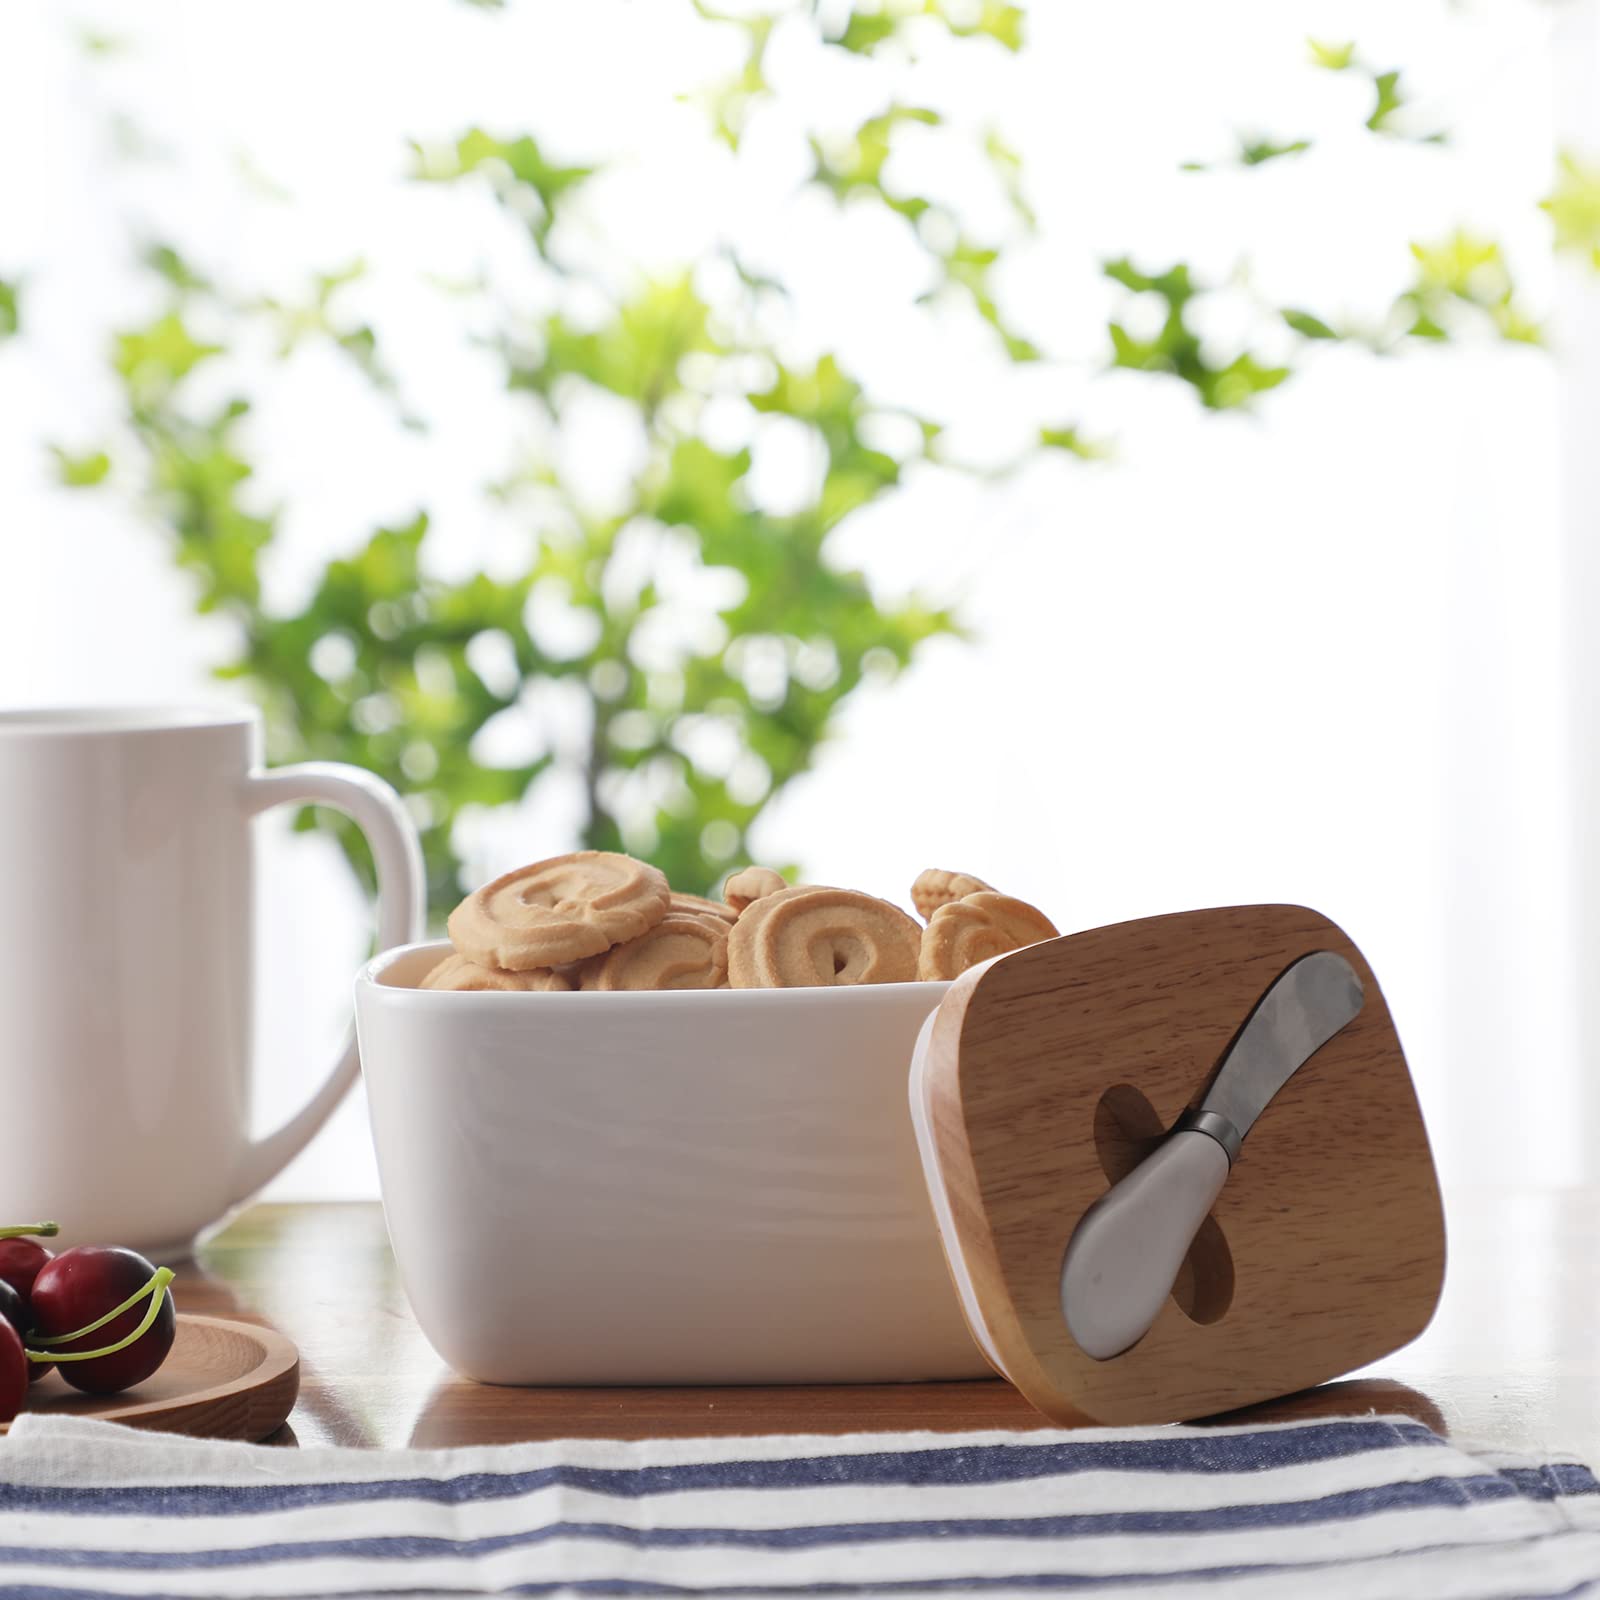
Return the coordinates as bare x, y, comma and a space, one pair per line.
1373, 1506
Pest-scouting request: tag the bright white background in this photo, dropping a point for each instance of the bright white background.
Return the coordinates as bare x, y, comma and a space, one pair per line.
1321, 654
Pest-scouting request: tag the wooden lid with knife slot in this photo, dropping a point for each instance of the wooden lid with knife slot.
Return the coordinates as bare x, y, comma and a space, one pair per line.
1048, 1075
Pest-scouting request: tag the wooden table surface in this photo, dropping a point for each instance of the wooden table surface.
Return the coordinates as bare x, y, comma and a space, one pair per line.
1511, 1360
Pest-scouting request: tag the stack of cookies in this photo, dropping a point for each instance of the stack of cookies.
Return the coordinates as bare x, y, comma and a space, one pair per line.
598, 920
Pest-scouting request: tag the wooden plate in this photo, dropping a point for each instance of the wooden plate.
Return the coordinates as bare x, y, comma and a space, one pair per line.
221, 1380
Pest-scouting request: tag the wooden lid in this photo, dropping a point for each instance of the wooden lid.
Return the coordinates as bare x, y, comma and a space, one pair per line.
1048, 1074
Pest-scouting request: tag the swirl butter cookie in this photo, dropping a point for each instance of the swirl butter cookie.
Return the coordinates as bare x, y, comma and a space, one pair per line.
935, 887
963, 932
680, 952
696, 905
807, 937
750, 884
462, 975
559, 910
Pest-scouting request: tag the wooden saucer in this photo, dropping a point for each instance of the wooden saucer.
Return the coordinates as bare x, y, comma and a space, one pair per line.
221, 1380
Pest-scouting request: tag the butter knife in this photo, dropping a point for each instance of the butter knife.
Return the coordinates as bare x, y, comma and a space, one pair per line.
1124, 1255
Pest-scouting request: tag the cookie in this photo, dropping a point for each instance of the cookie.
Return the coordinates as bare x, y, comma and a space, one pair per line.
680, 952
807, 937
935, 887
963, 932
559, 910
696, 905
458, 973
750, 884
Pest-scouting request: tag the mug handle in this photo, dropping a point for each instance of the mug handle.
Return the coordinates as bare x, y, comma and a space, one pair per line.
376, 809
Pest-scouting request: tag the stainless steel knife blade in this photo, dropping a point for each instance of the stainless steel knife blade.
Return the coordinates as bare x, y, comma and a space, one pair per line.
1310, 1002
1124, 1255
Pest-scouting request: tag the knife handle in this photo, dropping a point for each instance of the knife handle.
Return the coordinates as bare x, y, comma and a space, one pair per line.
1124, 1256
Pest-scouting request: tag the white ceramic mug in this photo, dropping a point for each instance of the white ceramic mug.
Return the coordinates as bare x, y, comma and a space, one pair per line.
694, 1186
125, 964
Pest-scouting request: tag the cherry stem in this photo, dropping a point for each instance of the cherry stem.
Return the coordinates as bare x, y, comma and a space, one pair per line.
156, 1288
45, 1230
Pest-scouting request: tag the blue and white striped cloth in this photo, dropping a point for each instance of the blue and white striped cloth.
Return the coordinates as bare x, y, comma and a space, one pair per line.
1370, 1507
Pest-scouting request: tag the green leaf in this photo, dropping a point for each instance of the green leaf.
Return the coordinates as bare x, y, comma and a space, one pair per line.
327, 284
165, 261
520, 159
995, 20
1173, 285
833, 403
1176, 351
637, 353
1331, 57
1454, 263
1257, 152
1573, 207
386, 568
1241, 381
1515, 326
10, 309
1006, 164
1075, 442
1463, 274
1253, 151
103, 45
865, 31
81, 471
698, 491
1308, 326
513, 166
1387, 96
1386, 86
731, 100
361, 345
820, 394
855, 164
158, 356
967, 267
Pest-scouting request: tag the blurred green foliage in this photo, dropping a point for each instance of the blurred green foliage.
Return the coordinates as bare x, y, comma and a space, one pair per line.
1458, 283
1464, 273
682, 738
1176, 349
10, 309
1574, 207
81, 471
390, 667
1388, 98
1254, 150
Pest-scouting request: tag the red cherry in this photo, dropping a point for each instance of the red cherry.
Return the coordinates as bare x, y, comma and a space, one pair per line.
13, 1309
81, 1286
20, 1263
13, 1372
21, 1258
